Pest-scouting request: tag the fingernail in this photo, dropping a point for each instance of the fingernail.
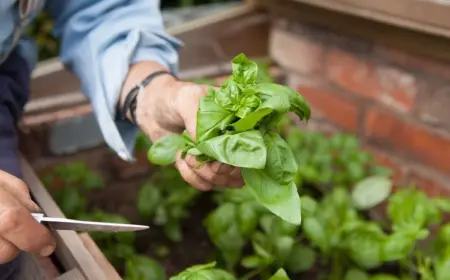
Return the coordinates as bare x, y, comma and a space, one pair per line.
47, 250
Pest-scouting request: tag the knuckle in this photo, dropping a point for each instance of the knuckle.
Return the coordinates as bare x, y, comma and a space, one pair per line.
211, 176
10, 218
36, 244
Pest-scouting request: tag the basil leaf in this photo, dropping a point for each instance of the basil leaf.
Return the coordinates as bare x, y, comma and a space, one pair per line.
442, 266
371, 191
228, 96
280, 275
302, 258
282, 200
224, 232
244, 70
164, 150
398, 246
211, 119
298, 104
252, 261
315, 232
247, 217
148, 199
281, 164
356, 274
411, 210
279, 103
245, 149
203, 272
384, 277
363, 244
142, 267
247, 104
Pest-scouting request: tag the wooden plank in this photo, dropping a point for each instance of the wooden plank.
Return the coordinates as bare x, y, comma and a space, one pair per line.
31, 270
417, 15
207, 40
214, 18
70, 250
411, 41
73, 274
101, 260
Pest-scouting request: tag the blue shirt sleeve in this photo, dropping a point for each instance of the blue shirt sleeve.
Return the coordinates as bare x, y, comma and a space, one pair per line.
99, 41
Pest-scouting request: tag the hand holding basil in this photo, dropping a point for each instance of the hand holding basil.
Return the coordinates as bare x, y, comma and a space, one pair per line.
235, 125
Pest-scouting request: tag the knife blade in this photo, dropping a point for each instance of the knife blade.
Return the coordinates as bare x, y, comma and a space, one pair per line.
84, 226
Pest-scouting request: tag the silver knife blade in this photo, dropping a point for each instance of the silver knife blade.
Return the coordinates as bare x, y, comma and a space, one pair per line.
84, 226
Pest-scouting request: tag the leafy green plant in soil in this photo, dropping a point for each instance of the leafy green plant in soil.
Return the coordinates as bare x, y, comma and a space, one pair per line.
339, 185
69, 185
165, 199
235, 125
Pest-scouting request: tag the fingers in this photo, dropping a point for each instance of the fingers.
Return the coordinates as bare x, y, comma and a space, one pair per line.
19, 190
8, 251
191, 177
19, 228
206, 176
188, 110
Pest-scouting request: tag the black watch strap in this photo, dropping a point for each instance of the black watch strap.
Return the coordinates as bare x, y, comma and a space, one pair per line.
130, 102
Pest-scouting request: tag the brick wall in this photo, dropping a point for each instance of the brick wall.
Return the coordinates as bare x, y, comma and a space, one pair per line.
397, 103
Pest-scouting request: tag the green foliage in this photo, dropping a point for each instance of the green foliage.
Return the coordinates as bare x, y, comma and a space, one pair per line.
140, 267
70, 184
204, 272
143, 143
234, 126
165, 200
41, 31
337, 182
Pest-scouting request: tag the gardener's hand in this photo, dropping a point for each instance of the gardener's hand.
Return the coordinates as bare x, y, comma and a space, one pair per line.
19, 231
170, 106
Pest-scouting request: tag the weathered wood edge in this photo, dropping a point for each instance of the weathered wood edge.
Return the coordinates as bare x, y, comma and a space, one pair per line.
70, 249
423, 16
99, 257
389, 35
73, 274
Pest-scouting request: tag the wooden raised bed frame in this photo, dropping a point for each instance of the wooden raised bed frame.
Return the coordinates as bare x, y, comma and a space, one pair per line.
77, 252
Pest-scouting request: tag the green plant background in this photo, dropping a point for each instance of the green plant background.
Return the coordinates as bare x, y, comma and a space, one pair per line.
48, 46
340, 237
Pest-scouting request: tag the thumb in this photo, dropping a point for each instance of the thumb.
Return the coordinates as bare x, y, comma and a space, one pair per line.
193, 94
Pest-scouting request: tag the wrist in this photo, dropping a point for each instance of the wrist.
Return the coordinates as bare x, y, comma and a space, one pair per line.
148, 86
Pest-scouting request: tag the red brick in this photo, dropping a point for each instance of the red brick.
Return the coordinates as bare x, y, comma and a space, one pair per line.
387, 85
382, 158
432, 185
414, 61
295, 52
408, 139
332, 106
434, 103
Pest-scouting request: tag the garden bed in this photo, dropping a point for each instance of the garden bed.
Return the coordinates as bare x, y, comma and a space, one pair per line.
342, 190
356, 223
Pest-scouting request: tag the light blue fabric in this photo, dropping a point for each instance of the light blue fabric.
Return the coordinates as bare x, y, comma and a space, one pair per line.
100, 39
